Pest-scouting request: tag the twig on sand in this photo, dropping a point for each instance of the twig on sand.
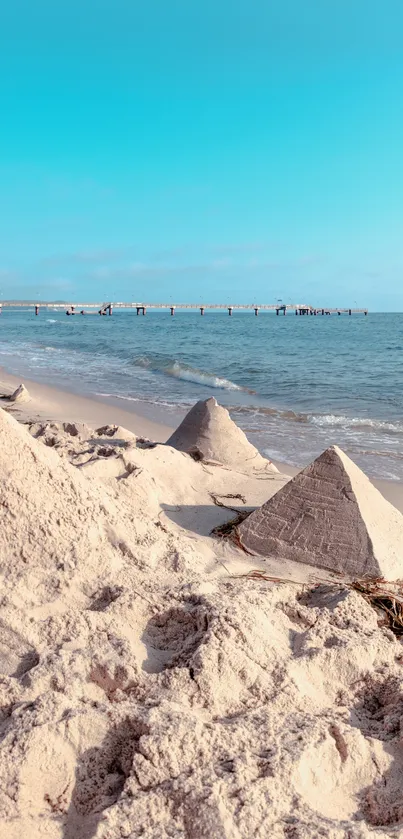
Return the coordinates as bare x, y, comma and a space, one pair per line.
258, 574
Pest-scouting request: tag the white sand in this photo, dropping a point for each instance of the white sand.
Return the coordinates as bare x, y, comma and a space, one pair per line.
145, 689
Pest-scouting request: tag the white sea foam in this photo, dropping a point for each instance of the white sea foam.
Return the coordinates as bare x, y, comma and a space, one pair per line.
329, 420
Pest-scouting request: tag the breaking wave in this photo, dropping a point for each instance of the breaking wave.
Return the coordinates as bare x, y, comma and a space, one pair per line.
171, 367
323, 421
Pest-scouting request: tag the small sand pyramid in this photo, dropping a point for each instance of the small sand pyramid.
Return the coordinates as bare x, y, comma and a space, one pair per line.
20, 395
330, 516
208, 433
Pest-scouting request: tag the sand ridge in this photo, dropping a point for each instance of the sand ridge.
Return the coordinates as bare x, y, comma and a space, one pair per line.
145, 691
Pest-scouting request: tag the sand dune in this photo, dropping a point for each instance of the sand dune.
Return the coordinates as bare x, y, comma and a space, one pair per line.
146, 689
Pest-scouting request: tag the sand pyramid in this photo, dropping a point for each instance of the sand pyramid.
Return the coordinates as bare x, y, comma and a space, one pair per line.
330, 516
20, 395
209, 432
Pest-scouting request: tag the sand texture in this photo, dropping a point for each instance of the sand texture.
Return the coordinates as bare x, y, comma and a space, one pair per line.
146, 689
330, 516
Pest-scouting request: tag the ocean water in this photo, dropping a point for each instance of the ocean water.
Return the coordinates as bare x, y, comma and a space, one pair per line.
294, 384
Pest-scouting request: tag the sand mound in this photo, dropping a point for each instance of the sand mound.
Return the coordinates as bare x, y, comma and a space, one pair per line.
331, 516
20, 395
56, 525
144, 694
208, 433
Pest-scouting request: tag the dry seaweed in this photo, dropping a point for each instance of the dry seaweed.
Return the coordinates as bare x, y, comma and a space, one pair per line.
237, 497
385, 596
222, 531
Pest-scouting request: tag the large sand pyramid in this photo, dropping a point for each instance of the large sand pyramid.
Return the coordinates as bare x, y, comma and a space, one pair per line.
209, 432
330, 516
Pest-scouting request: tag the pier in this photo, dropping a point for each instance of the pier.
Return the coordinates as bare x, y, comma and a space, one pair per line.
142, 308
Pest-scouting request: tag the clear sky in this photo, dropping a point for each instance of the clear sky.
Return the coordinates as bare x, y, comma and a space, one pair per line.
219, 150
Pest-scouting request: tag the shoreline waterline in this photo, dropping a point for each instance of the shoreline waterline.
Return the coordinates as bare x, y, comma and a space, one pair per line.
49, 403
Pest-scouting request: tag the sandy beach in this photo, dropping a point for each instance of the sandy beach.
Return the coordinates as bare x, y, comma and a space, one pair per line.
153, 683
63, 406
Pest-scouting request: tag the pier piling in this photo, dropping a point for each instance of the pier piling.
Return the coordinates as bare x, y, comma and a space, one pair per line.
256, 311
172, 311
37, 310
202, 310
230, 310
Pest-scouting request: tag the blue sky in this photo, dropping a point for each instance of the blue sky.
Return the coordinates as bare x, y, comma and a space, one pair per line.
224, 150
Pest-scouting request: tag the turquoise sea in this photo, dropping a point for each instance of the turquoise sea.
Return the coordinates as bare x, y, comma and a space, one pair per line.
294, 384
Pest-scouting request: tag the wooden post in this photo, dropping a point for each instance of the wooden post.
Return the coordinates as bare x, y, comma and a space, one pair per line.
339, 313
323, 311
37, 310
284, 310
277, 311
349, 311
256, 311
110, 309
296, 311
230, 311
366, 312
202, 310
138, 309
172, 311
144, 310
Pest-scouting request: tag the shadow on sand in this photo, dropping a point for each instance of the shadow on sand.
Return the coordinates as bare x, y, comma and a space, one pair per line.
201, 518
